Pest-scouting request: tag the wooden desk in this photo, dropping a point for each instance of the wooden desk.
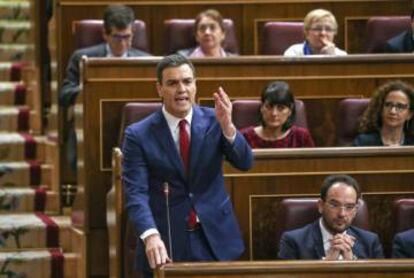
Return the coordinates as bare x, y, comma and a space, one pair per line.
297, 269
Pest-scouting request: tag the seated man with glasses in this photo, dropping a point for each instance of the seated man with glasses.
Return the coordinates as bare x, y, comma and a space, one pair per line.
117, 34
332, 236
387, 121
320, 28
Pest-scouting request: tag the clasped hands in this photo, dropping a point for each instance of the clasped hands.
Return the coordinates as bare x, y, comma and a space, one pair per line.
341, 244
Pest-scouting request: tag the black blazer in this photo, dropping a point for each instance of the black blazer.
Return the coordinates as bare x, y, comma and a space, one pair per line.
402, 43
403, 245
374, 139
70, 87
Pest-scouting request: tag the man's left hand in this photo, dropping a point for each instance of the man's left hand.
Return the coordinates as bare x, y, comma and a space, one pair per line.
223, 107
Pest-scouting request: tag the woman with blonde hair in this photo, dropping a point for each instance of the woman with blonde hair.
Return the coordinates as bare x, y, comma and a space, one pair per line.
320, 28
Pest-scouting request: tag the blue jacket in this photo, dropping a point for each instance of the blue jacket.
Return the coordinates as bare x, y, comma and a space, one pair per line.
374, 139
402, 43
151, 159
306, 243
403, 245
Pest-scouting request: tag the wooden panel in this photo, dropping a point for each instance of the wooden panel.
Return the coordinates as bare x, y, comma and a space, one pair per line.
107, 83
285, 269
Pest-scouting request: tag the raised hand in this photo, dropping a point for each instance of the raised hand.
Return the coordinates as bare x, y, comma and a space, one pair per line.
223, 107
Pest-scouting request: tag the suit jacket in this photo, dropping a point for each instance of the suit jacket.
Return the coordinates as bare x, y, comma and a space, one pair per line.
151, 159
374, 139
306, 243
402, 43
70, 86
403, 245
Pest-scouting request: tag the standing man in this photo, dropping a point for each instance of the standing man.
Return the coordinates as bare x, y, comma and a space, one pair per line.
332, 237
117, 34
180, 149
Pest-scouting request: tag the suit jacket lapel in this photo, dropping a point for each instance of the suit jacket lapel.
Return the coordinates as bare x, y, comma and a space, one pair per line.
356, 249
164, 137
199, 125
317, 237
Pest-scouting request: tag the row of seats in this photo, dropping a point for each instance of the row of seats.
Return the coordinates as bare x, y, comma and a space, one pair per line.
247, 113
276, 36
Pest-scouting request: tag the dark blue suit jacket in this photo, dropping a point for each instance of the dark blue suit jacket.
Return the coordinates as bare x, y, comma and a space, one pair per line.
306, 243
70, 86
151, 159
374, 139
403, 245
402, 43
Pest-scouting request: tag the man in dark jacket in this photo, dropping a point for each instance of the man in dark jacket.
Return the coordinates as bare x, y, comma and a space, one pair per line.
403, 42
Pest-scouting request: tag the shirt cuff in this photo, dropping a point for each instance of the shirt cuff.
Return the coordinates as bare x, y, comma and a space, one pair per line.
231, 139
148, 233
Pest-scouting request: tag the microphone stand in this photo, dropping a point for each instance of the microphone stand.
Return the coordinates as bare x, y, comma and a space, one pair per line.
167, 206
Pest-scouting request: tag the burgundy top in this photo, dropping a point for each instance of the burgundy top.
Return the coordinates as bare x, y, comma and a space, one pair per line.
298, 137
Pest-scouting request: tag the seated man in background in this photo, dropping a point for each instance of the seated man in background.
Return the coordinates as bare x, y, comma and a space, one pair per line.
403, 42
387, 121
209, 34
403, 245
277, 115
320, 28
117, 33
332, 237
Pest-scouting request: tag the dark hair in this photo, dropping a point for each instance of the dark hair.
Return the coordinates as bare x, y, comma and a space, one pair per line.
278, 92
371, 120
118, 16
213, 14
172, 61
333, 179
412, 14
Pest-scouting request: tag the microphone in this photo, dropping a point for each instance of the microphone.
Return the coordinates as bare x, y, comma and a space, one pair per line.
167, 206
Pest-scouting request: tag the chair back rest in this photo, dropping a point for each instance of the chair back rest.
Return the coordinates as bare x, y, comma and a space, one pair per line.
180, 34
295, 213
88, 32
403, 212
277, 36
347, 121
382, 28
247, 113
134, 112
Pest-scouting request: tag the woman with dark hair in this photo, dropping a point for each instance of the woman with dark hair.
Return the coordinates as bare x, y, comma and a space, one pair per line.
387, 121
277, 116
209, 34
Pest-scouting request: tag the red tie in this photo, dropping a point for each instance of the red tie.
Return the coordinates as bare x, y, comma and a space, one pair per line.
184, 151
184, 144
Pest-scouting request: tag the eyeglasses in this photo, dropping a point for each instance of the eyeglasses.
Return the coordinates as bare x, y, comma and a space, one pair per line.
399, 107
119, 38
337, 206
319, 29
204, 27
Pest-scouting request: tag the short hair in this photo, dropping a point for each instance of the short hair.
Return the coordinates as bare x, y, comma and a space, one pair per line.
316, 15
172, 61
213, 14
371, 120
118, 16
278, 92
412, 14
333, 179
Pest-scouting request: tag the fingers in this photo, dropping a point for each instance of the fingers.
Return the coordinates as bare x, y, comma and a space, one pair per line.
221, 98
156, 252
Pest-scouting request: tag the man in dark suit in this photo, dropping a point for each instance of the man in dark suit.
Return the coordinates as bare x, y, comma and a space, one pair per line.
117, 34
175, 156
402, 43
403, 245
332, 237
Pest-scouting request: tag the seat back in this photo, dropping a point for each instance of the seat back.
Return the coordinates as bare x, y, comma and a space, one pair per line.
278, 36
134, 112
347, 121
88, 32
179, 34
403, 211
382, 28
295, 213
247, 113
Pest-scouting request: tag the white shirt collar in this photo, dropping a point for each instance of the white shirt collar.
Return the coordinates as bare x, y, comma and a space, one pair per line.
173, 120
326, 236
109, 52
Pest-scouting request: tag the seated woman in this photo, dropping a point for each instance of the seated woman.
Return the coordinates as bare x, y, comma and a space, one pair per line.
387, 121
209, 34
277, 113
320, 28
